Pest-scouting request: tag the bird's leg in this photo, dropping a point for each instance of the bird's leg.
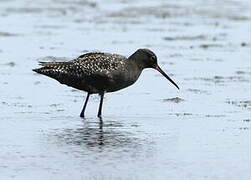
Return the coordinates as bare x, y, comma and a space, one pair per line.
100, 104
82, 114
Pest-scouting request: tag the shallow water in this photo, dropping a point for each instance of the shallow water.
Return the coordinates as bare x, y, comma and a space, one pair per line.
150, 130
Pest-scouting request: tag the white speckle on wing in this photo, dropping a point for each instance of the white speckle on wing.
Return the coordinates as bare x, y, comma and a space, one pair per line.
91, 63
86, 65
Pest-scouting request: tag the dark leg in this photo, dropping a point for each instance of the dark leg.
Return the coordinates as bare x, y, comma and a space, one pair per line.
100, 104
82, 114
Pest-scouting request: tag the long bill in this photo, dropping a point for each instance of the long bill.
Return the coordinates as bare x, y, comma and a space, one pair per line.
166, 76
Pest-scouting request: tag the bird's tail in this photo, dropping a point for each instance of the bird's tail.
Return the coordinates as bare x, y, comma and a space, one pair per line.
51, 69
51, 72
53, 64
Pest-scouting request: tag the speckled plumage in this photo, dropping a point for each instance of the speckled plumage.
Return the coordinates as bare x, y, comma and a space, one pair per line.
80, 72
101, 72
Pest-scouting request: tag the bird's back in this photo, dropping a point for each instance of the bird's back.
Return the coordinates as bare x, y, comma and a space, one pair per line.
90, 72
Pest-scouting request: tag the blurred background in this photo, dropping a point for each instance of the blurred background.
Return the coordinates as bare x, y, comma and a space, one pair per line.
151, 130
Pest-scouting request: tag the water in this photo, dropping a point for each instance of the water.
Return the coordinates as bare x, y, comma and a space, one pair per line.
150, 130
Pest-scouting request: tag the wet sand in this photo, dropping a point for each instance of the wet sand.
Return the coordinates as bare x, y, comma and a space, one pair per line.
150, 130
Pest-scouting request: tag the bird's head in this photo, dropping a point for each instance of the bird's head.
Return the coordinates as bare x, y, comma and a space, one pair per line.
145, 58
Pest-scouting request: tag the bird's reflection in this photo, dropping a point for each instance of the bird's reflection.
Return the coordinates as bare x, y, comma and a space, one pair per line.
98, 133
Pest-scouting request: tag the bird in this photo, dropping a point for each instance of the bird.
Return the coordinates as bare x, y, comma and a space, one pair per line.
100, 73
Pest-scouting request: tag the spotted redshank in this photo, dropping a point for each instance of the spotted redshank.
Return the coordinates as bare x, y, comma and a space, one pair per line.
98, 73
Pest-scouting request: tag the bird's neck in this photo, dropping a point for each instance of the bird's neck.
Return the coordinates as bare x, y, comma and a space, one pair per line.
134, 70
137, 61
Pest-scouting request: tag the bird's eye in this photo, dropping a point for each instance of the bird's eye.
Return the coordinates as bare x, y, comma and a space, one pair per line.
152, 58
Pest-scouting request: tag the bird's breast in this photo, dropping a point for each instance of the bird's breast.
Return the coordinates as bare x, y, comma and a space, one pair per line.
123, 79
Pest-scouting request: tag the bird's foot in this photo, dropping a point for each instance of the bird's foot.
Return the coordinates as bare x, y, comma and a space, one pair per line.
82, 115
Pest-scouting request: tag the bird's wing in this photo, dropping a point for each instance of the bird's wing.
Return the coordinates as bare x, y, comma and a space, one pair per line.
95, 69
98, 64
87, 65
